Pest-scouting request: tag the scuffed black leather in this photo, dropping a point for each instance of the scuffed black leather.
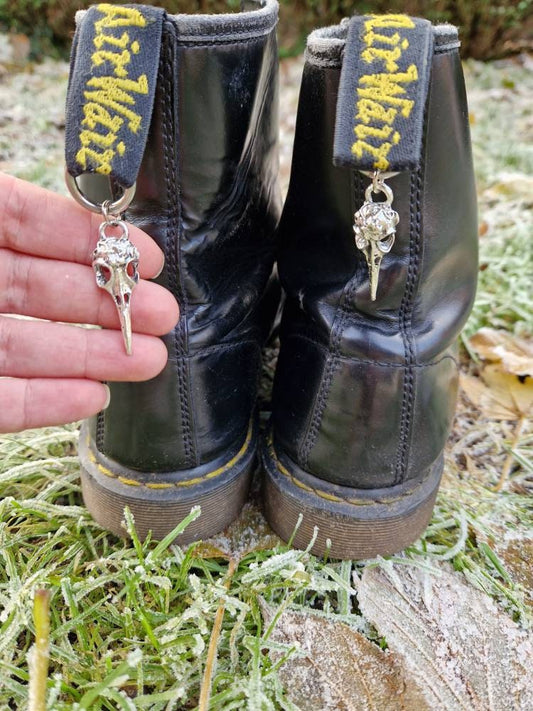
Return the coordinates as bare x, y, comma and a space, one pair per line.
365, 391
207, 193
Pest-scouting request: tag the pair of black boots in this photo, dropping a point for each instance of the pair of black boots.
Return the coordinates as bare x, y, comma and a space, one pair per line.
365, 387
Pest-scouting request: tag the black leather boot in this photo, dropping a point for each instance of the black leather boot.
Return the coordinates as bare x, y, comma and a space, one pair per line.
365, 389
207, 192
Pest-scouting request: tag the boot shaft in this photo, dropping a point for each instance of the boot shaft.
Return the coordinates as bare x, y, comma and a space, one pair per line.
365, 390
207, 192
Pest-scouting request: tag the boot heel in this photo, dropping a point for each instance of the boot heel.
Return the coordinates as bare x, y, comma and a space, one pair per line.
366, 382
159, 502
352, 523
205, 166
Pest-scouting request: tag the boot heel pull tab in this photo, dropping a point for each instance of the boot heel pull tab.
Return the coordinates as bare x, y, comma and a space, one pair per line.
111, 92
110, 99
382, 93
380, 118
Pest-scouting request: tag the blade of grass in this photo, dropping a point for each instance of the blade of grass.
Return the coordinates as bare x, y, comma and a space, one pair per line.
38, 656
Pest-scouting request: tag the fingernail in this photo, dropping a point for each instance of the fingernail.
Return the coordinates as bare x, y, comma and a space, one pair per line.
161, 268
108, 398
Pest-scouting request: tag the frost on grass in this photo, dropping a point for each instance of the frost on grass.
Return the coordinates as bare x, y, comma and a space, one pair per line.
452, 641
110, 597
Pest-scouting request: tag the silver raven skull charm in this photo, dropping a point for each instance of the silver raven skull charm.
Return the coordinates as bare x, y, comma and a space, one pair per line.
115, 264
375, 230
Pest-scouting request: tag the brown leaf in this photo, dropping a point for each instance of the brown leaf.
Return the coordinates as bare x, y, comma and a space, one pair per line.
500, 395
490, 404
249, 532
515, 185
204, 549
452, 641
514, 354
505, 385
337, 668
483, 228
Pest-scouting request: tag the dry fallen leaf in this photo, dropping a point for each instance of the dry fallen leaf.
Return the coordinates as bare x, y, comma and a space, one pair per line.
514, 354
485, 400
336, 668
515, 185
249, 532
500, 395
518, 388
452, 641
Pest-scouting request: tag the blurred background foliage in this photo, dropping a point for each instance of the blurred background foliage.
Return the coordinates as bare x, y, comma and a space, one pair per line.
489, 28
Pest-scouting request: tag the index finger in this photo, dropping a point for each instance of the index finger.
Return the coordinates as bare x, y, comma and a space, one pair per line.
39, 222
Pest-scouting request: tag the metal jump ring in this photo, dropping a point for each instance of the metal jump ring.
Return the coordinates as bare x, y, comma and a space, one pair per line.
381, 188
113, 223
112, 208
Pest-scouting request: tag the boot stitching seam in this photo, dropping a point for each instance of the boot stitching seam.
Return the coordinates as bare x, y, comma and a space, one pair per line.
369, 361
172, 246
100, 430
406, 309
333, 361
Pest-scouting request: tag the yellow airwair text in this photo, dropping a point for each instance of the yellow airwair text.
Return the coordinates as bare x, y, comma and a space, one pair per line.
110, 100
381, 96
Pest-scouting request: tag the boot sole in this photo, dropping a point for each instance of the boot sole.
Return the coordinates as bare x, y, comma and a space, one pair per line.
159, 501
352, 523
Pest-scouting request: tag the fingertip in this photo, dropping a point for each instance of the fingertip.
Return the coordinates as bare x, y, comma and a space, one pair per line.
172, 313
155, 310
107, 392
160, 270
149, 356
152, 258
160, 357
90, 398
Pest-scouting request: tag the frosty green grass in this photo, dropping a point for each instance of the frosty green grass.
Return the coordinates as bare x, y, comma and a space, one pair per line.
131, 622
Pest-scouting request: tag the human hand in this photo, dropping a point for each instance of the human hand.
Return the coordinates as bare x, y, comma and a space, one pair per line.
50, 373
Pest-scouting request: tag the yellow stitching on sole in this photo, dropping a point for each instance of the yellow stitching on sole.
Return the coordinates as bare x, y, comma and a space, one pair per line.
302, 485
191, 482
332, 497
107, 471
235, 459
169, 485
128, 482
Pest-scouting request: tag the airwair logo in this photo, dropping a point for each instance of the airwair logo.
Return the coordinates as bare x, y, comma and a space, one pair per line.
382, 95
110, 98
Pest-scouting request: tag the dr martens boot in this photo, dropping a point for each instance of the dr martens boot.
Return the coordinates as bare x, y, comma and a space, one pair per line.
378, 259
185, 106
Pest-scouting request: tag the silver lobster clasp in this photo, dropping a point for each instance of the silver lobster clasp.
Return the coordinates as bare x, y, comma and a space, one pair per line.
116, 267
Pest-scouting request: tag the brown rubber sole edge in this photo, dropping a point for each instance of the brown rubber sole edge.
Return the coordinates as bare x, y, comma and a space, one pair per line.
353, 524
159, 502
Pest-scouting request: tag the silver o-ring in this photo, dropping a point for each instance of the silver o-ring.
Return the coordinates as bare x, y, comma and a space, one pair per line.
116, 207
